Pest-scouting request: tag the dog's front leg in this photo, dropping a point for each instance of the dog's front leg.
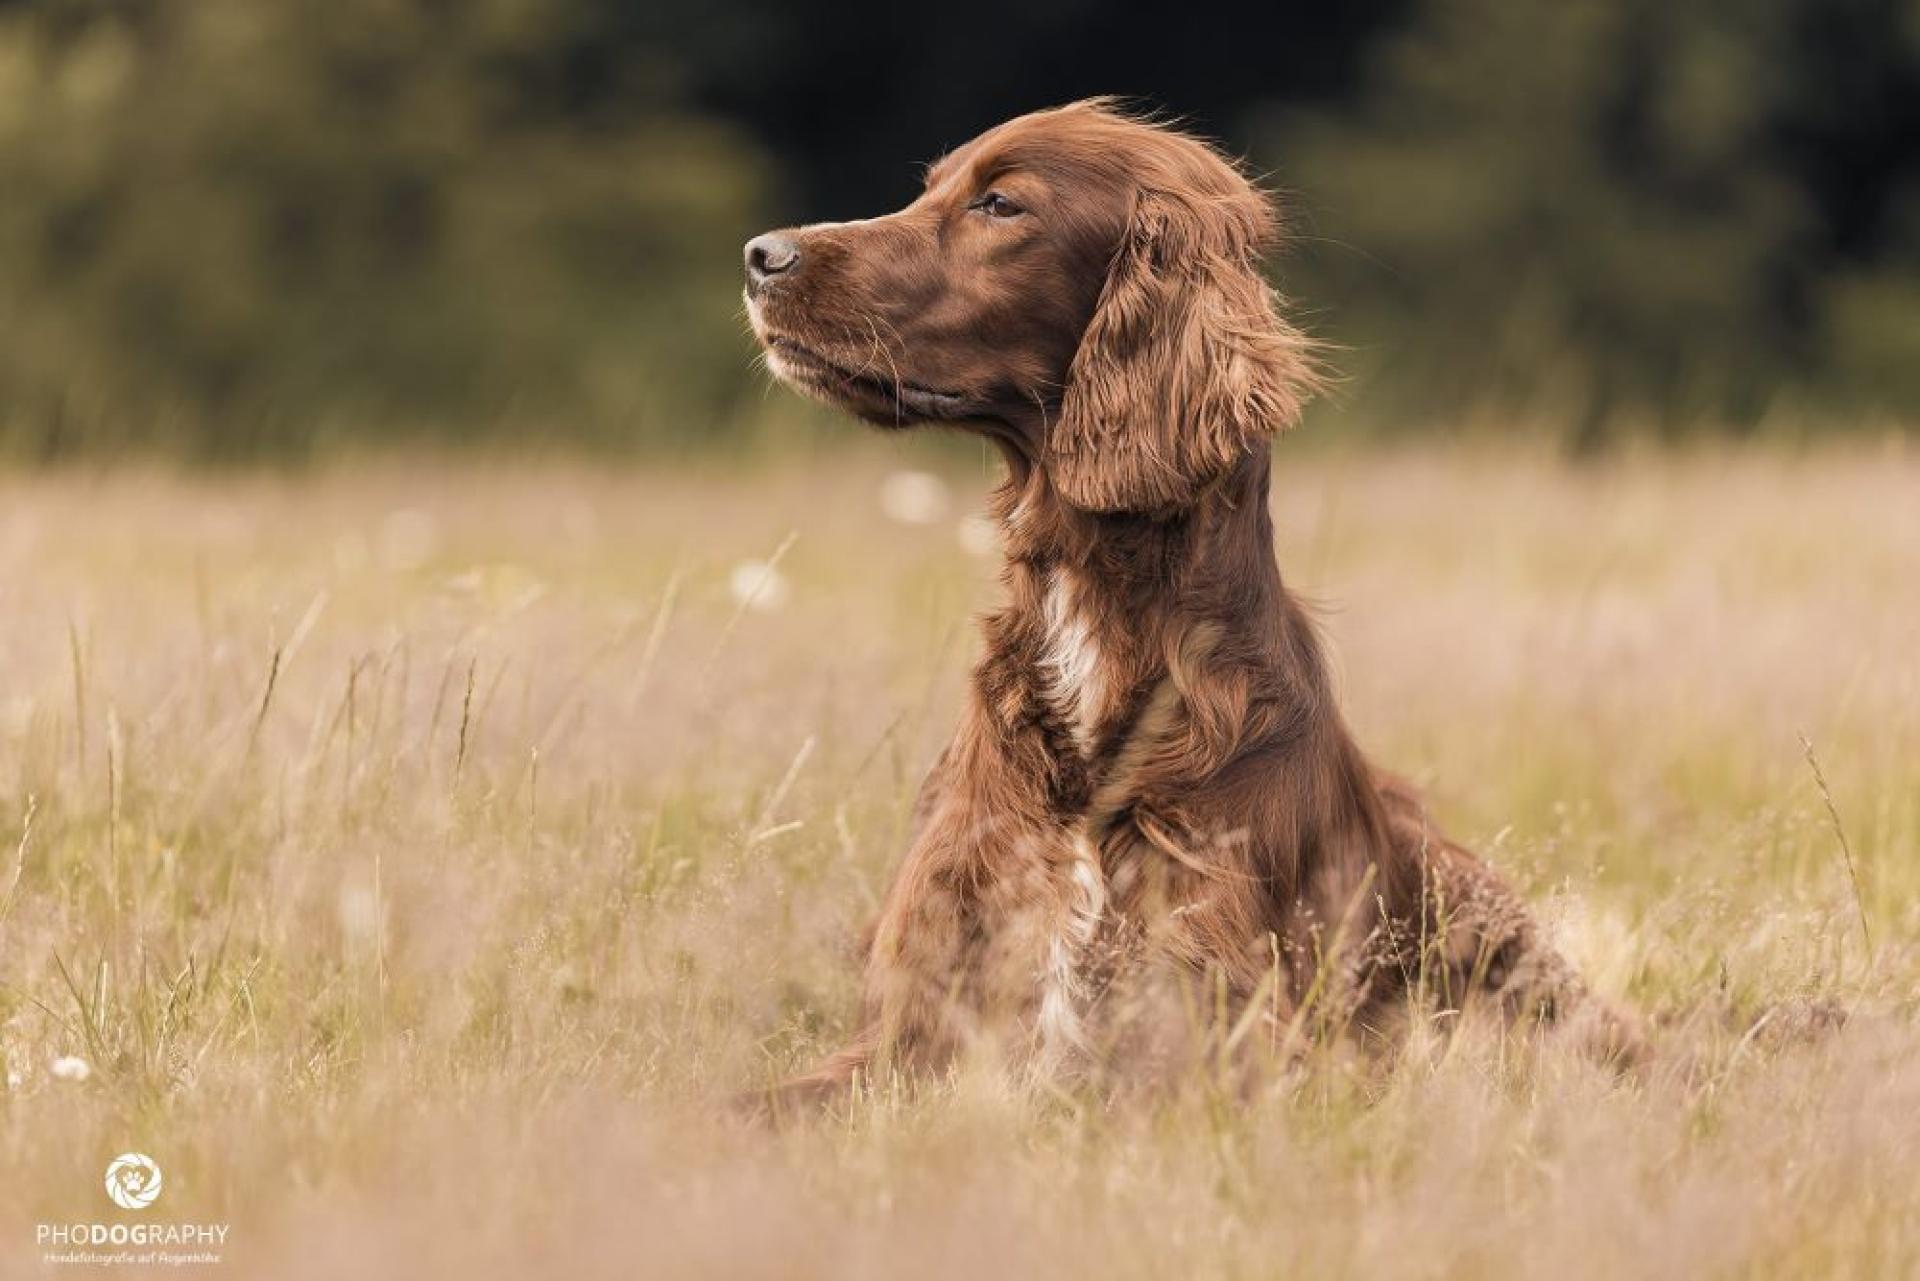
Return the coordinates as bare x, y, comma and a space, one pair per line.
977, 947
966, 946
962, 957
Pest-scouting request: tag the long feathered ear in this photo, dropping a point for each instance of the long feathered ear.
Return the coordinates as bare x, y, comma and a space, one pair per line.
1186, 365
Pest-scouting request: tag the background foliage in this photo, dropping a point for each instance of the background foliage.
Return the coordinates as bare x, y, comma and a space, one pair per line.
234, 226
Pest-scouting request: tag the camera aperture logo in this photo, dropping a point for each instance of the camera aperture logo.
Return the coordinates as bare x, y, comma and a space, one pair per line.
133, 1180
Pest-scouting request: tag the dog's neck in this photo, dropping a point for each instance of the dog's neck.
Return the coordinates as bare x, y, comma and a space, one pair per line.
1111, 619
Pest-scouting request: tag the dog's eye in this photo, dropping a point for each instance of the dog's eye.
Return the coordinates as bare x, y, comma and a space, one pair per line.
995, 205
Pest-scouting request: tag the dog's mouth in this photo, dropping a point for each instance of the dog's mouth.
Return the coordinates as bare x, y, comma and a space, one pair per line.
877, 396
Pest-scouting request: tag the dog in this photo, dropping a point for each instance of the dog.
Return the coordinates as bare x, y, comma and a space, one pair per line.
1151, 792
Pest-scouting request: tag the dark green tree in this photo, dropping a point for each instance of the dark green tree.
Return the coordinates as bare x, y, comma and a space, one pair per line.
229, 225
1595, 211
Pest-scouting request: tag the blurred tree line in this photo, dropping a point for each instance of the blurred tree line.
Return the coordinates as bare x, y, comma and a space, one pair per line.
1626, 212
234, 226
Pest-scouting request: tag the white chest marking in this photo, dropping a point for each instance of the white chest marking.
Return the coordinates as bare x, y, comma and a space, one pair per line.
1074, 679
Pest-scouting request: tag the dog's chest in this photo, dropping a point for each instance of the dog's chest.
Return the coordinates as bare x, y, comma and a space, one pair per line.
1073, 673
1088, 676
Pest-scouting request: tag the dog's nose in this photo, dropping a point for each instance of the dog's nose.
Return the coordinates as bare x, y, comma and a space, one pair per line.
768, 256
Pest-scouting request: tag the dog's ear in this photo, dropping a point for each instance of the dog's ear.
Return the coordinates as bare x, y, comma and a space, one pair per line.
1186, 365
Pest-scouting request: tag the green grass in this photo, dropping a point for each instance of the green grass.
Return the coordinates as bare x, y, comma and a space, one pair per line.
418, 852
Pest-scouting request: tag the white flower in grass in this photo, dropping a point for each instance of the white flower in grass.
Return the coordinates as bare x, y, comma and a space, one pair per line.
14, 1079
914, 497
408, 539
759, 586
359, 912
978, 536
70, 1067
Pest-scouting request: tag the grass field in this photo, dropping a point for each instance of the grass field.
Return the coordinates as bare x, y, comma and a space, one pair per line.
413, 853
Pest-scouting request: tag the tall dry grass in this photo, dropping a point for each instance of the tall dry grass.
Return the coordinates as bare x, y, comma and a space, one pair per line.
412, 855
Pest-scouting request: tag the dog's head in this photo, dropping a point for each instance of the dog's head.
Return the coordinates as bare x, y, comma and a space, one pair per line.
1084, 285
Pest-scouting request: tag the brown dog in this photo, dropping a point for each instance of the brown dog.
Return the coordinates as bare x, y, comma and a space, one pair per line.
1151, 792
